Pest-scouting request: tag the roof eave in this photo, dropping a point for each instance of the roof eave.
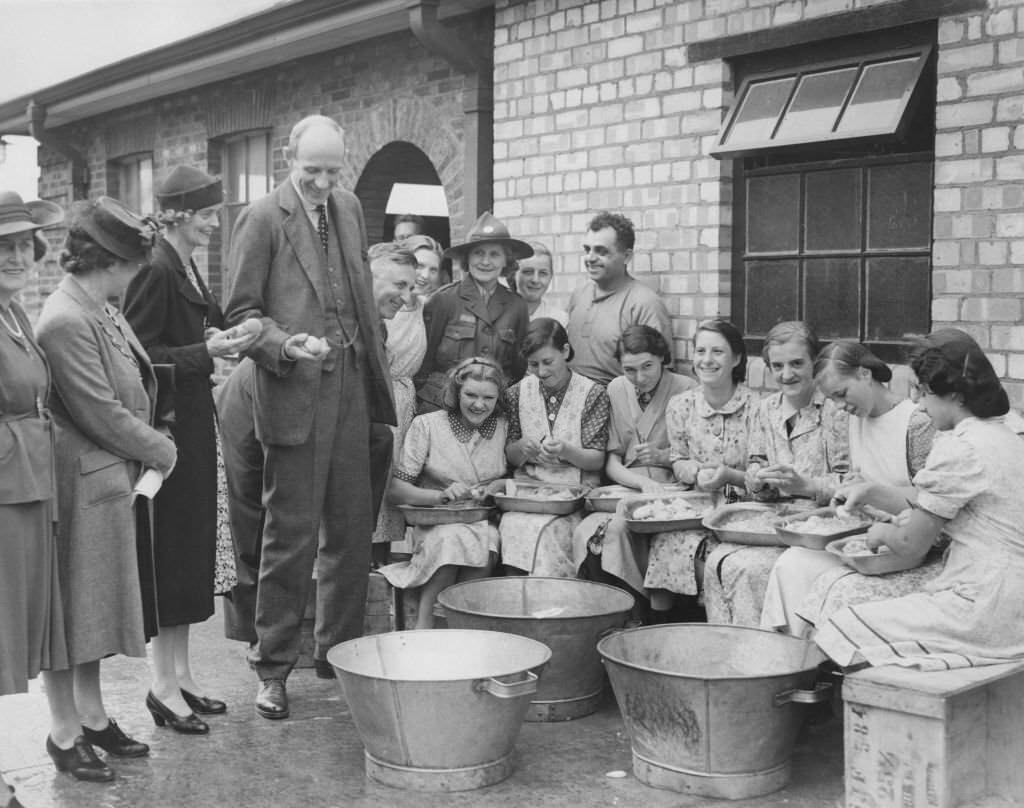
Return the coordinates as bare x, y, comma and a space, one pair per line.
253, 43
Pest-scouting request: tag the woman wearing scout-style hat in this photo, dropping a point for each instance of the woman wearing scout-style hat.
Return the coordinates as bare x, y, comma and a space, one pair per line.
31, 614
476, 316
179, 323
102, 401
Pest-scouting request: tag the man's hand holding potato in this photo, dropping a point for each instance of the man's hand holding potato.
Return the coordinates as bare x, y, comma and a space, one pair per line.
305, 347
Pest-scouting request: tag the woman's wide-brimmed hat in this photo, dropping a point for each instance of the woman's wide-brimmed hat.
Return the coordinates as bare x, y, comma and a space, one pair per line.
17, 216
489, 230
115, 228
187, 188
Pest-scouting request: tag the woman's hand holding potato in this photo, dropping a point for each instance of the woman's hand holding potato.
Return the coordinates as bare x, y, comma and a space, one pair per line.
232, 340
711, 478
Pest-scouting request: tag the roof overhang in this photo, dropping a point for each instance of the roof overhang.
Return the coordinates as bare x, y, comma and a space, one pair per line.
257, 42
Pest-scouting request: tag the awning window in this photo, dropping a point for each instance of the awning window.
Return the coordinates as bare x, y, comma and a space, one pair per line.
856, 98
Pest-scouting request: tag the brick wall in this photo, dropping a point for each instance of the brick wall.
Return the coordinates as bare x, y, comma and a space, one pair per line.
597, 106
409, 96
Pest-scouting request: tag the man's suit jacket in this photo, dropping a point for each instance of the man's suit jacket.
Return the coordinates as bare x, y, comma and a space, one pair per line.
275, 275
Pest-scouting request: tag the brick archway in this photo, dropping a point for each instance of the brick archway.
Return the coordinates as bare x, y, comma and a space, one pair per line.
432, 125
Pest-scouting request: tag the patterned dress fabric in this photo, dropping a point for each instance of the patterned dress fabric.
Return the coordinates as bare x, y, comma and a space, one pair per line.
434, 457
699, 434
972, 613
816, 444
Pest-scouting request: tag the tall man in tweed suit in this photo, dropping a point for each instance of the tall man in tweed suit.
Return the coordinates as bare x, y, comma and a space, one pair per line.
298, 262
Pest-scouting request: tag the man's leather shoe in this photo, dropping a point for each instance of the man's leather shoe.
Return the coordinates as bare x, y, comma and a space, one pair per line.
272, 700
113, 740
324, 669
80, 761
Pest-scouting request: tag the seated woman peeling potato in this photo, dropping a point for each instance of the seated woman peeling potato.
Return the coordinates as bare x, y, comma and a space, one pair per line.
638, 450
451, 456
971, 489
557, 434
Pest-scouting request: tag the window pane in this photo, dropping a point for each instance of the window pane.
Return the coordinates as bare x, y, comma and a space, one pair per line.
881, 92
235, 173
759, 110
128, 185
145, 169
259, 167
833, 301
898, 298
816, 104
772, 289
773, 213
833, 210
900, 206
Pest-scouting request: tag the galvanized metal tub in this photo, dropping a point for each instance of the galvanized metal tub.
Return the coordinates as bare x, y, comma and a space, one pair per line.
439, 710
567, 615
711, 709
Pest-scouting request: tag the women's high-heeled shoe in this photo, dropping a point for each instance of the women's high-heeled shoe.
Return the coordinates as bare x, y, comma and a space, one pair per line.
162, 715
80, 761
204, 705
114, 741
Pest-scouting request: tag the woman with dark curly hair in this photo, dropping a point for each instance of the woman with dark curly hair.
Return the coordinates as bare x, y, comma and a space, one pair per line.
972, 490
103, 403
452, 455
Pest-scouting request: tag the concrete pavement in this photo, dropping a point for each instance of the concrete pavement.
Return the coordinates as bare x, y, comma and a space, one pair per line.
315, 758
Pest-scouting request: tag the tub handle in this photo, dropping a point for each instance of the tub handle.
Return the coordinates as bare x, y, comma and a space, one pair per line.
822, 692
508, 690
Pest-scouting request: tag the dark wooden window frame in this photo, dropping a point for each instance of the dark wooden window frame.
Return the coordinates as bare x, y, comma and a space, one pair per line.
890, 350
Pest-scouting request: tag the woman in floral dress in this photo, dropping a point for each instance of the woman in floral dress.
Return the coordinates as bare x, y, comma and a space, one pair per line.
708, 431
450, 455
558, 430
806, 585
798, 448
972, 490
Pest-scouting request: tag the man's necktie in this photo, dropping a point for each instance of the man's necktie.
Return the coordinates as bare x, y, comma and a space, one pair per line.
321, 225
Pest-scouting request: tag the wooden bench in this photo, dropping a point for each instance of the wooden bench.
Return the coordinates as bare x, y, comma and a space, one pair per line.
934, 740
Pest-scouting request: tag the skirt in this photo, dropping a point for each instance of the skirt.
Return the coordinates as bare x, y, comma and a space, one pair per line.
31, 615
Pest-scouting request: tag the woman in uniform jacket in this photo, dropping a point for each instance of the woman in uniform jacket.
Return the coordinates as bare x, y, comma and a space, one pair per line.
31, 619
102, 402
179, 323
476, 316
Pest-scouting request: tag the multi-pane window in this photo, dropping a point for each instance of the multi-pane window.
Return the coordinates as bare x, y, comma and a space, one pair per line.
844, 245
135, 182
244, 164
834, 152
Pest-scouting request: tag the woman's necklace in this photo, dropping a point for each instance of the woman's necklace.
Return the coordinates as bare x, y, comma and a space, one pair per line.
15, 330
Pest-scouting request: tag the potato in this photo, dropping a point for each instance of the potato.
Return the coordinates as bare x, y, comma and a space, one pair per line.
315, 345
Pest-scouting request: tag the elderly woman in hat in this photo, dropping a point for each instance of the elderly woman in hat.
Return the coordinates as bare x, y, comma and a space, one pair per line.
31, 619
477, 316
179, 323
102, 401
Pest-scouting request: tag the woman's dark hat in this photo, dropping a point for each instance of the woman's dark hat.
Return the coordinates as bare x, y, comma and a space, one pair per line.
488, 230
187, 188
17, 216
115, 228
